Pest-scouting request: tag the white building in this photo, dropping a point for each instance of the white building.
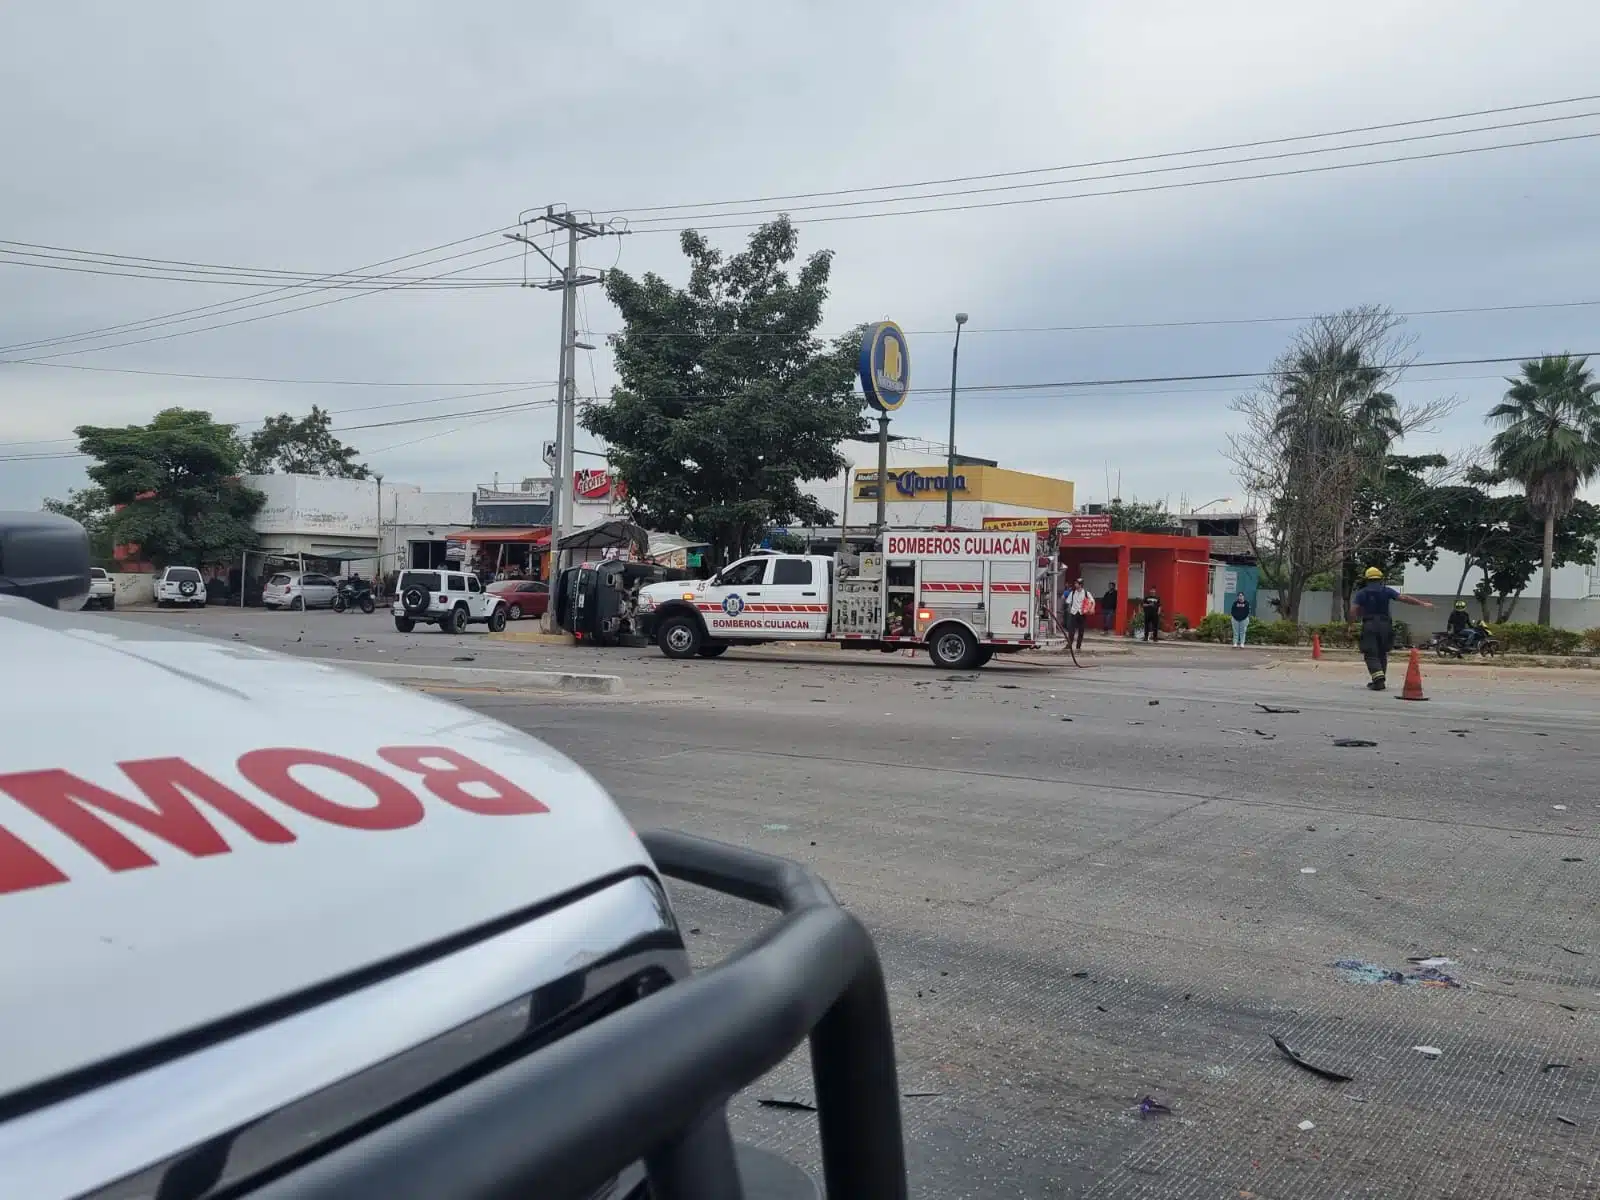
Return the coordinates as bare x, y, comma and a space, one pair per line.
371, 525
1574, 590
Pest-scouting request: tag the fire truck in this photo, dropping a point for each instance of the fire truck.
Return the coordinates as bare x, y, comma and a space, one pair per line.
962, 596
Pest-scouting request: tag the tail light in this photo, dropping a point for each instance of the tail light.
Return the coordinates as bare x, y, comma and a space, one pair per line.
924, 614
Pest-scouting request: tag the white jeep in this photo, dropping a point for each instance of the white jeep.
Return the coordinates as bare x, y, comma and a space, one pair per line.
452, 600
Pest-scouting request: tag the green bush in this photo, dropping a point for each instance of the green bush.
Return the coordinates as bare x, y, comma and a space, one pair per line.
1335, 634
1273, 633
1214, 627
1180, 623
1591, 640
1524, 637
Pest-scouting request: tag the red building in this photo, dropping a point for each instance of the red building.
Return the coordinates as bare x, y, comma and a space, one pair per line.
1177, 569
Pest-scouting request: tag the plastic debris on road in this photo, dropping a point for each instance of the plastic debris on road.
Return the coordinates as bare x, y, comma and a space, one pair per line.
1428, 1051
1353, 742
1149, 1106
1294, 1056
1308, 870
1305, 1127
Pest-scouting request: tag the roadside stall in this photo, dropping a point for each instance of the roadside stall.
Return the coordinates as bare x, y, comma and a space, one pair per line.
493, 554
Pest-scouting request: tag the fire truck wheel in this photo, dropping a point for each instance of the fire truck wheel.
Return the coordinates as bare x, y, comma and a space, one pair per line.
985, 653
712, 651
953, 648
680, 637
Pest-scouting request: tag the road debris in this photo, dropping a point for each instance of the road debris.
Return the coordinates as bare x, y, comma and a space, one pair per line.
791, 1103
1353, 742
1428, 1051
1153, 703
1149, 1106
1559, 807
1268, 708
919, 1095
1268, 736
1432, 960
1553, 1066
465, 658
1365, 972
1308, 870
1293, 1056
1572, 858
1566, 1120
1305, 1126
776, 828
1570, 950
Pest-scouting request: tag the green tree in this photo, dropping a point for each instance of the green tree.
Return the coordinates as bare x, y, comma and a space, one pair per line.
89, 508
1513, 545
176, 480
1138, 516
1549, 442
728, 400
301, 446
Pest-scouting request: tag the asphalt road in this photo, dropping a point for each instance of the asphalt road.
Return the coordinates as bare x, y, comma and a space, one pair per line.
1092, 886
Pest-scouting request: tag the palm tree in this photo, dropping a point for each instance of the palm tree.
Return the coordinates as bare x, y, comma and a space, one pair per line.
1549, 441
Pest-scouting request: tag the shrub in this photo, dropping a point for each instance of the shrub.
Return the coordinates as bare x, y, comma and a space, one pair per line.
1524, 637
1336, 634
1273, 633
1591, 640
1214, 627
1179, 623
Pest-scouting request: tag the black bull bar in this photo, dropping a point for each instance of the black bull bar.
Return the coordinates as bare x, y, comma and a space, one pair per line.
649, 1082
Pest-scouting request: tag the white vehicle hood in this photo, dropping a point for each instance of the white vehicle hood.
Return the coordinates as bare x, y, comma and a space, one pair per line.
670, 590
107, 960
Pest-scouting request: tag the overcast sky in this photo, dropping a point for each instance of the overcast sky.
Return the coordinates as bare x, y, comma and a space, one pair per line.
316, 137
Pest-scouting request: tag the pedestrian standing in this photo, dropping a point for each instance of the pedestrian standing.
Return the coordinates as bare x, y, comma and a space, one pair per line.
1370, 606
1152, 617
1076, 603
1108, 609
1240, 612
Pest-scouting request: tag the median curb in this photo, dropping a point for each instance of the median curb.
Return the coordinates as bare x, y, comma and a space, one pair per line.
488, 678
533, 636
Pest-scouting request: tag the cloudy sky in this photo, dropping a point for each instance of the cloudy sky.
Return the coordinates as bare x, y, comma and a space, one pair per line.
316, 138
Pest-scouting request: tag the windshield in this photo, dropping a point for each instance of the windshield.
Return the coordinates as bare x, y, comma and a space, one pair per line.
183, 575
279, 580
428, 581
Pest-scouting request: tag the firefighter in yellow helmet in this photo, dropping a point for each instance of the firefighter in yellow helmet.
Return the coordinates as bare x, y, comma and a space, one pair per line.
1370, 606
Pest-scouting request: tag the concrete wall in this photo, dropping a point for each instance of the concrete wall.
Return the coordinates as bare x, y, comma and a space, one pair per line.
312, 506
134, 587
420, 509
1316, 609
1566, 583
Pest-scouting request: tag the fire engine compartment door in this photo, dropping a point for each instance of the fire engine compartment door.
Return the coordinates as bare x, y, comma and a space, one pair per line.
952, 587
1011, 606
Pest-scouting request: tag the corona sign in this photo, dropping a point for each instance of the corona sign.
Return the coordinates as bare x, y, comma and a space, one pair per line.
885, 366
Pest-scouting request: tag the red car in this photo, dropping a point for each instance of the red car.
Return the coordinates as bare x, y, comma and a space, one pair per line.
524, 597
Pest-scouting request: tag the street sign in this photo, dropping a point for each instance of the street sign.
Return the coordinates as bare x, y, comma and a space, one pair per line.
1084, 526
550, 454
885, 366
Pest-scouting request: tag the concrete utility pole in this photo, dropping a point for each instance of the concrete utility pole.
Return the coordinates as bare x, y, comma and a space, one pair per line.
569, 281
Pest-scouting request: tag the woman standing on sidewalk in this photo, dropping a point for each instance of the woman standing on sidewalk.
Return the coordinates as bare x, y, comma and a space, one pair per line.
1240, 612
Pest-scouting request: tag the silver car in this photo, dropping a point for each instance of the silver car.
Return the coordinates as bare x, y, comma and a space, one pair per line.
291, 589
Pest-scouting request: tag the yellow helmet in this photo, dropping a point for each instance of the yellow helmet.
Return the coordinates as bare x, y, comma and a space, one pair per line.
1374, 573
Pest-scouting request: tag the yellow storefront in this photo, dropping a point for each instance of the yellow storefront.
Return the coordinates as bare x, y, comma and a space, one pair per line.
915, 496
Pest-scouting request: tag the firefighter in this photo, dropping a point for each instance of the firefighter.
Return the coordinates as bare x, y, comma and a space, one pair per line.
1370, 606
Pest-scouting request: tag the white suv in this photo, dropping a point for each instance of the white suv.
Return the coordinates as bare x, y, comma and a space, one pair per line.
102, 590
452, 600
180, 585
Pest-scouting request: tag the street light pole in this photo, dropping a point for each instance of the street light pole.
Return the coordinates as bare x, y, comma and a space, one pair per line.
950, 466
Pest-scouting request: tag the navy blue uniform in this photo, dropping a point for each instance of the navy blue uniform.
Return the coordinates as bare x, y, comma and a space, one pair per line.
1377, 628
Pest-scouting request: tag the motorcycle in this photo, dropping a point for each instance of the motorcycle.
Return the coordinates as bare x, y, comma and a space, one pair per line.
1474, 639
354, 592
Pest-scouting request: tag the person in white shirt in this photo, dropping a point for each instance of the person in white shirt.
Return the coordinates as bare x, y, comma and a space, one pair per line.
1076, 605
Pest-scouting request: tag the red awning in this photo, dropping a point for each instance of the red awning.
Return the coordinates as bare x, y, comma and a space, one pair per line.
538, 535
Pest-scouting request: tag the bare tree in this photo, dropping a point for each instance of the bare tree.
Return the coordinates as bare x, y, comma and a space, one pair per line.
1317, 433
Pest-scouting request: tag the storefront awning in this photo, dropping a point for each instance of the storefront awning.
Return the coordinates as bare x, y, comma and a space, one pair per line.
538, 535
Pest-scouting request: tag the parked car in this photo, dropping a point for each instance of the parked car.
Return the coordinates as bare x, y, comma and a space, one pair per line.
452, 600
523, 597
291, 589
180, 585
102, 591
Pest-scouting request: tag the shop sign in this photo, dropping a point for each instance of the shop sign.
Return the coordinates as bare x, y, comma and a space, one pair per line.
884, 366
1085, 526
597, 484
1036, 524
908, 483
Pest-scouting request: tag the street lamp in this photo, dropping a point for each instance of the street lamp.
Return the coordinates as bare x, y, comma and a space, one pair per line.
1209, 503
950, 466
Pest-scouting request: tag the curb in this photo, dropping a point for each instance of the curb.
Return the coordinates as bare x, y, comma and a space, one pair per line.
534, 637
418, 675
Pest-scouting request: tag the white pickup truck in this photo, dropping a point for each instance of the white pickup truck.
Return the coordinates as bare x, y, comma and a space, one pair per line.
964, 596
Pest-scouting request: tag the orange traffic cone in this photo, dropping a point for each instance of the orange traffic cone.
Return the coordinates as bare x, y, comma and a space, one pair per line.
1413, 687
1316, 645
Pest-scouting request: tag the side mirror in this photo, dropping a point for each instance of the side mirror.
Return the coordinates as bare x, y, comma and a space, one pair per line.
45, 558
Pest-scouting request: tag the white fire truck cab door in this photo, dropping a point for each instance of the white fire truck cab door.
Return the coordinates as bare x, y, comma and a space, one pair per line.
797, 596
1011, 607
744, 602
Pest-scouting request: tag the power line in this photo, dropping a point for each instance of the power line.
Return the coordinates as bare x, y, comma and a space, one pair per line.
241, 303
1155, 187
370, 383
259, 316
1108, 162
1226, 162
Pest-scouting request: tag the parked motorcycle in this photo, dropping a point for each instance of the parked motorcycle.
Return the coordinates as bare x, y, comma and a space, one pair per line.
354, 592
